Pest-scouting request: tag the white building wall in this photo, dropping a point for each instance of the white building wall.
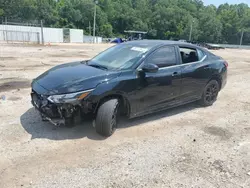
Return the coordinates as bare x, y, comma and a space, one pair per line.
76, 35
50, 34
98, 40
16, 33
53, 35
19, 36
88, 39
91, 39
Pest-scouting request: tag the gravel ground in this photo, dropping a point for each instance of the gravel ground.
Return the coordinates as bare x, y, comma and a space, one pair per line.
188, 146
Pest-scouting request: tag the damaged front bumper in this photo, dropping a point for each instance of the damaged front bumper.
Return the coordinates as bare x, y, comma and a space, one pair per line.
57, 114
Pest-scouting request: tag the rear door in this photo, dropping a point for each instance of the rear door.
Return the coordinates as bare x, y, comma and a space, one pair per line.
194, 72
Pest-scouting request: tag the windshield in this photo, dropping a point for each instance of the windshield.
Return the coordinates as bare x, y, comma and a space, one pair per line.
119, 57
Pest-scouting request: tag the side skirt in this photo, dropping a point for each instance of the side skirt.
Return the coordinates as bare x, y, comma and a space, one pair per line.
162, 109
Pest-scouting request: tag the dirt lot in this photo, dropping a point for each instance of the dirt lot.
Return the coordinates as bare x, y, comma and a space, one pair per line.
187, 146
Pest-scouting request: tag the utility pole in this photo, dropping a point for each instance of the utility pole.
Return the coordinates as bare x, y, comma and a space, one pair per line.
191, 30
89, 29
241, 38
41, 17
96, 2
42, 37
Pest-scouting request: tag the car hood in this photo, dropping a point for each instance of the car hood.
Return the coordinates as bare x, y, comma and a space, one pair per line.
71, 77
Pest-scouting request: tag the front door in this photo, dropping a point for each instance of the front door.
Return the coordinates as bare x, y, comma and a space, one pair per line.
161, 89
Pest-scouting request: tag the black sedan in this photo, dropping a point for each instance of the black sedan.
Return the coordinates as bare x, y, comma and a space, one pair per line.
133, 79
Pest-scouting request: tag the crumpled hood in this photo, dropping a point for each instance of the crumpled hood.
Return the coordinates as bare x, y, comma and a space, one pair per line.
72, 77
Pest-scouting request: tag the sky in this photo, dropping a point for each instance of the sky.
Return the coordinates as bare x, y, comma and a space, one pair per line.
218, 2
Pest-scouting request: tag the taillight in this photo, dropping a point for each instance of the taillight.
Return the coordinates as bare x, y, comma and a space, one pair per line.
226, 63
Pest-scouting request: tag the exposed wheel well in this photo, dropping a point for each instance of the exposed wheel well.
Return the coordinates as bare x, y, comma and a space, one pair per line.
124, 103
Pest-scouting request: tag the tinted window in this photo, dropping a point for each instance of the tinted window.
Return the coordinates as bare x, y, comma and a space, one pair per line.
163, 57
188, 55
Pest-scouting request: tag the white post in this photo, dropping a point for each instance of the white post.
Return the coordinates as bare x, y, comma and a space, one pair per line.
96, 2
89, 29
191, 30
42, 37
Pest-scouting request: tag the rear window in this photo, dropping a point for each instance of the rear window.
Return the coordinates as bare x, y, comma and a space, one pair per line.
188, 55
191, 55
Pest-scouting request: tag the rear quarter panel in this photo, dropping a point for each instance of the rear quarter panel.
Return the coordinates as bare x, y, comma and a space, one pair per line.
219, 69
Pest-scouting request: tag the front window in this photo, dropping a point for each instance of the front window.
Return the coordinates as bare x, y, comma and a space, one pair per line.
119, 57
163, 57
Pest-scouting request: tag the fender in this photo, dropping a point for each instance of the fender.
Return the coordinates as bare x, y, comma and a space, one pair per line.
108, 90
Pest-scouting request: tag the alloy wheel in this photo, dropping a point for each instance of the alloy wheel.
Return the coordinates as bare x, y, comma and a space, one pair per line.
211, 93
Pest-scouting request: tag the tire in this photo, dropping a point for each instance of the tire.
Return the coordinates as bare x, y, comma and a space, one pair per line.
210, 93
106, 118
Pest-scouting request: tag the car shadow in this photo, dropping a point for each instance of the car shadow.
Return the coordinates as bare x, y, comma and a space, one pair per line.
32, 123
125, 123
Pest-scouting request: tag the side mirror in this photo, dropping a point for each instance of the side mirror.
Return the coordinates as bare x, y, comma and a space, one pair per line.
152, 68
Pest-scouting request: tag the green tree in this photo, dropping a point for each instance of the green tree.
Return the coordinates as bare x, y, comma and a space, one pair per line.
210, 26
106, 30
1, 12
162, 19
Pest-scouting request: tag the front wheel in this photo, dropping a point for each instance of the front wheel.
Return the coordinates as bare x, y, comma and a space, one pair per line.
106, 118
210, 93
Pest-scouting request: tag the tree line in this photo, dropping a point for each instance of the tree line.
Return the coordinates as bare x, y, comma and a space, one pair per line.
162, 19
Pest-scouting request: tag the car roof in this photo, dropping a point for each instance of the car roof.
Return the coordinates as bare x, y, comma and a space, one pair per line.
155, 43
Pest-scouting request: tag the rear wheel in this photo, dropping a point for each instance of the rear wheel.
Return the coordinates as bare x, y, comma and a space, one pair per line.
210, 93
106, 118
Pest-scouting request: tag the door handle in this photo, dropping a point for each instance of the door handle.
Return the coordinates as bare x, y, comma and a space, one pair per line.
175, 74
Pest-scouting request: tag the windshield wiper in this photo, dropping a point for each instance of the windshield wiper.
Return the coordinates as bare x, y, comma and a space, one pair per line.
98, 66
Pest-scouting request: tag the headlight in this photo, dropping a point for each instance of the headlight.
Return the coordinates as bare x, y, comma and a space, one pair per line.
71, 97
